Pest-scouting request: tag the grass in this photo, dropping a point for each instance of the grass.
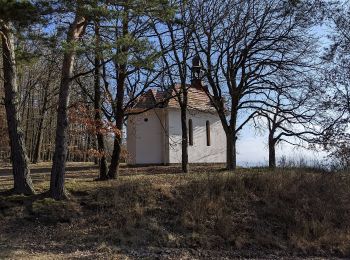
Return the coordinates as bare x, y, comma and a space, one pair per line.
254, 212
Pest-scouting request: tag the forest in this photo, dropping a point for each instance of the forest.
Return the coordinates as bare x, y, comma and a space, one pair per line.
72, 72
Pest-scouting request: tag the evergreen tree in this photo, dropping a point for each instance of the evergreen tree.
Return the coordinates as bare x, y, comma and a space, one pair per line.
14, 15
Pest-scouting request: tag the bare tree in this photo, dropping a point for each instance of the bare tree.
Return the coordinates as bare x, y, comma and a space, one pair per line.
241, 45
338, 58
175, 38
290, 113
336, 98
45, 102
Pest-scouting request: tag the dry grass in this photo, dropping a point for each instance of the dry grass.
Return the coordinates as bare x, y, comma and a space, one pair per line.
254, 212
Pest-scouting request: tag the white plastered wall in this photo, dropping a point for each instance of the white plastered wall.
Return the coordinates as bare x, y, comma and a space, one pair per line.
199, 152
146, 141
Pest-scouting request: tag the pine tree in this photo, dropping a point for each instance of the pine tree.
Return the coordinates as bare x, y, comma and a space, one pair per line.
75, 32
13, 15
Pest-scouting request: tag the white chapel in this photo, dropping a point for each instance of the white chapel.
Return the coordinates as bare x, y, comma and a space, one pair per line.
154, 137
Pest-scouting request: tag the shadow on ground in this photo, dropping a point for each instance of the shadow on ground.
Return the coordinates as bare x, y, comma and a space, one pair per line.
243, 214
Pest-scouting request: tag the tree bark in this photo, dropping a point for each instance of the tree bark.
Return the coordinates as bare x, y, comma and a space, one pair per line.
37, 148
113, 171
98, 106
272, 153
76, 30
26, 116
231, 160
21, 173
118, 107
184, 143
31, 143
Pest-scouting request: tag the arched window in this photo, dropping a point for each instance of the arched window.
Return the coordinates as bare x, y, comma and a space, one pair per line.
190, 132
207, 125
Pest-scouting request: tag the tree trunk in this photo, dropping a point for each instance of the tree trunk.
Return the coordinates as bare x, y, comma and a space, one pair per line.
103, 160
118, 107
231, 161
26, 116
59, 159
113, 171
31, 143
184, 142
272, 153
96, 159
21, 173
37, 149
97, 107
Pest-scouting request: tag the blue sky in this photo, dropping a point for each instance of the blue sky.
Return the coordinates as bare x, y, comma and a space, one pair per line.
252, 149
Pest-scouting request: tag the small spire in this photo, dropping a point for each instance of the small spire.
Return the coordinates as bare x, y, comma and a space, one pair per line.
196, 62
196, 72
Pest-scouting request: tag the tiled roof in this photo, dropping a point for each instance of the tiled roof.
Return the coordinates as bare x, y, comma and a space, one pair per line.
146, 100
197, 99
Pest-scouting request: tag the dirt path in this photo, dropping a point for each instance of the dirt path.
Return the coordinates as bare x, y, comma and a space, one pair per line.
153, 253
7, 172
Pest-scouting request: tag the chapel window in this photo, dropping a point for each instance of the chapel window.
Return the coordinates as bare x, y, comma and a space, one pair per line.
207, 125
190, 132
